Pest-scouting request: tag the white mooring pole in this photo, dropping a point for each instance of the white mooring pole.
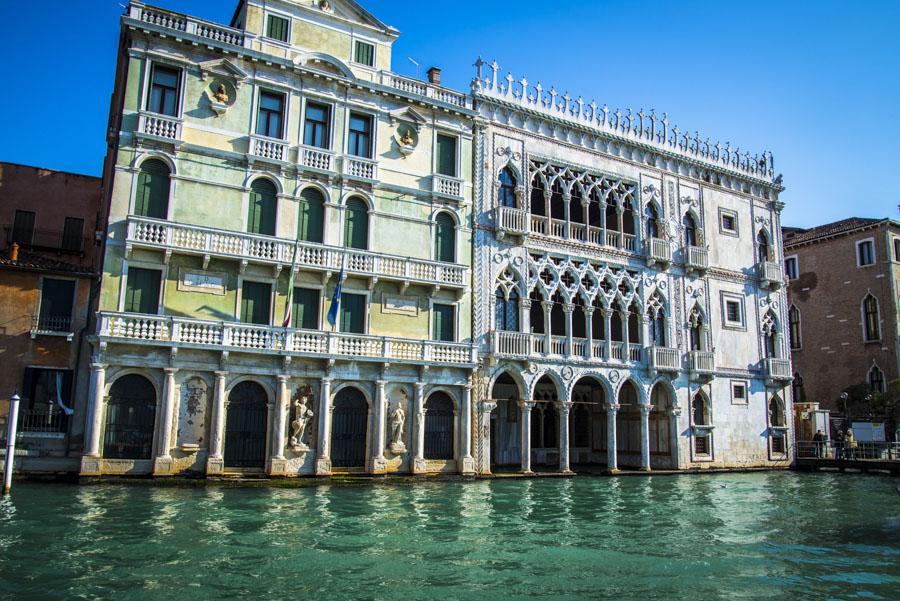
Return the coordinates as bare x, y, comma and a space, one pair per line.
11, 442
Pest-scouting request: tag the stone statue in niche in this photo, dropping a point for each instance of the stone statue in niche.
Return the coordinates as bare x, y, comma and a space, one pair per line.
302, 415
222, 94
406, 139
398, 420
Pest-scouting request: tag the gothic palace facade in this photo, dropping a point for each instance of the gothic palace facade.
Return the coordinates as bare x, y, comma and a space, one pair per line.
526, 280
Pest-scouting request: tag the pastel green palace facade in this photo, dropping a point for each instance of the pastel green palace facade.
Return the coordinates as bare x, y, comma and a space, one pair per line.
249, 167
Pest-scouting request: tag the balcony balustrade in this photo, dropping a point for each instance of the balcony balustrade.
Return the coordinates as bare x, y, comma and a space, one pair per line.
770, 275
702, 363
59, 325
520, 345
360, 168
169, 331
663, 358
268, 149
658, 251
317, 159
187, 24
447, 186
209, 242
512, 221
48, 421
420, 88
777, 370
696, 258
58, 241
161, 127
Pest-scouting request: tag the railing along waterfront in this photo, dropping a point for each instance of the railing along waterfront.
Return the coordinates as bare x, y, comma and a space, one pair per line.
195, 239
863, 451
180, 331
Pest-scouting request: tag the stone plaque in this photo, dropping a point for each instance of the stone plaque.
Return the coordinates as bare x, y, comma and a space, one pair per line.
192, 413
209, 282
400, 305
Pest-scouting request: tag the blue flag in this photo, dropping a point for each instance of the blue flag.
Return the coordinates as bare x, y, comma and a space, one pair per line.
336, 299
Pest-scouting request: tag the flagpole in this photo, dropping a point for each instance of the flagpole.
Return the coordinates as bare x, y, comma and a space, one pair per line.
288, 308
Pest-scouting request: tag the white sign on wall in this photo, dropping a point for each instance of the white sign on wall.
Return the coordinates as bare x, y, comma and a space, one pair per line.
209, 282
401, 305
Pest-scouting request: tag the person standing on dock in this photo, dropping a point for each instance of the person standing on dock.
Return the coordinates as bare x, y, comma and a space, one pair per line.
839, 445
851, 445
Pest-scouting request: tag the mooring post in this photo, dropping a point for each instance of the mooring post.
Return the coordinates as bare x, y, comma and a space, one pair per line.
12, 426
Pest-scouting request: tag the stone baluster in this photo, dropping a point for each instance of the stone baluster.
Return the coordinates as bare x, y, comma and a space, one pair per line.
564, 408
525, 316
162, 464
323, 452
419, 452
612, 410
216, 461
525, 408
645, 437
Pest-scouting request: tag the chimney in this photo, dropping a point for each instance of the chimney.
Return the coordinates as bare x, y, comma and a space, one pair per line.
14, 252
434, 76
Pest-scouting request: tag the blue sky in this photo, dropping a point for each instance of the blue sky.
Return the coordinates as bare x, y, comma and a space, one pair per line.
817, 83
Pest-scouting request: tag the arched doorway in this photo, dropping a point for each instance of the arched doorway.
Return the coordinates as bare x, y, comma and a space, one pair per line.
587, 425
505, 430
349, 427
439, 429
659, 426
628, 427
130, 418
245, 426
545, 423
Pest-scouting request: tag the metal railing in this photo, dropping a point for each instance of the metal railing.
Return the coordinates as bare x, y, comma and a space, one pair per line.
47, 421
56, 324
45, 239
829, 449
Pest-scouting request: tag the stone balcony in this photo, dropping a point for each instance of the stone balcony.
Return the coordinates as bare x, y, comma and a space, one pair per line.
511, 221
319, 160
701, 363
663, 359
159, 128
696, 258
267, 149
658, 252
447, 187
777, 371
360, 168
178, 332
524, 346
770, 275
279, 253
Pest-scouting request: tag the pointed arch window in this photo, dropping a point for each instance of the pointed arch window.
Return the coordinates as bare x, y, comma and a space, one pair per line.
871, 324
656, 318
263, 207
797, 390
506, 309
356, 224
770, 335
651, 222
794, 327
152, 193
444, 238
876, 380
312, 216
696, 330
506, 196
762, 247
690, 230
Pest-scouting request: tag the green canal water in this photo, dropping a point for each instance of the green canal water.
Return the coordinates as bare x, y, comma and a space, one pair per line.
734, 536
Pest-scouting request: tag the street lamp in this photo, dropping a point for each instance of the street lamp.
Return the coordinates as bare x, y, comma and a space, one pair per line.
10, 442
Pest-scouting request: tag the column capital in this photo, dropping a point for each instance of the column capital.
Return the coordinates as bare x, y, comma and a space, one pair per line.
327, 379
564, 406
282, 379
524, 404
220, 374
568, 309
547, 305
419, 386
612, 407
645, 409
170, 371
525, 302
488, 406
589, 310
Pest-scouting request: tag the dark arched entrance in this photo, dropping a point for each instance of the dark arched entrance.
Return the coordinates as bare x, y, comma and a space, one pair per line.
245, 426
439, 426
348, 428
130, 417
505, 430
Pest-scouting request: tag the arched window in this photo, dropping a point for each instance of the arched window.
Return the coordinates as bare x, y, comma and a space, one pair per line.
762, 247
507, 310
130, 418
506, 195
770, 335
701, 417
871, 325
794, 327
876, 379
152, 194
312, 216
797, 391
356, 224
263, 207
776, 412
656, 318
690, 230
696, 325
538, 198
700, 410
439, 427
651, 222
444, 238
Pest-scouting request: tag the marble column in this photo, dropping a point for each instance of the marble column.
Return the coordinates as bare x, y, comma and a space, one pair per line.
215, 464
277, 462
525, 408
626, 333
419, 456
90, 461
568, 310
589, 333
564, 409
674, 442
645, 437
467, 463
620, 213
611, 450
607, 325
378, 464
547, 306
525, 318
487, 407
323, 451
162, 463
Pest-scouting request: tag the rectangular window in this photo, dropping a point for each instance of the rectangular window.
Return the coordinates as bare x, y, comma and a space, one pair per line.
73, 234
865, 253
364, 54
360, 136
444, 327
739, 393
445, 162
277, 28
256, 303
315, 128
270, 117
897, 249
790, 268
701, 445
164, 90
23, 228
728, 222
353, 313
733, 310
142, 291
57, 297
44, 394
305, 308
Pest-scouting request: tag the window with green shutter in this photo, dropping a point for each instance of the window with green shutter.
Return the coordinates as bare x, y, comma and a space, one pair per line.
312, 216
356, 224
446, 155
305, 308
445, 238
263, 204
256, 299
152, 194
277, 28
444, 328
142, 291
353, 313
365, 54
57, 297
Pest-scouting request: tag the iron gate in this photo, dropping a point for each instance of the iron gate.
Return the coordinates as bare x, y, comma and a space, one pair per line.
245, 426
130, 417
348, 429
439, 427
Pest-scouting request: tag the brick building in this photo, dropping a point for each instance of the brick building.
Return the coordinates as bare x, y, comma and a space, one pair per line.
48, 272
842, 299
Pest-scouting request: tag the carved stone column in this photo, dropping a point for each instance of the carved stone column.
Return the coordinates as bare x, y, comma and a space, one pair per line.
525, 317
620, 214
564, 408
623, 317
645, 437
162, 463
90, 461
215, 464
547, 306
419, 456
467, 463
277, 463
589, 333
378, 464
568, 310
611, 450
323, 452
674, 413
525, 435
567, 214
607, 325
487, 407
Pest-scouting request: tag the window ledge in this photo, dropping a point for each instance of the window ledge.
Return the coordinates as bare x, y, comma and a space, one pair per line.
67, 335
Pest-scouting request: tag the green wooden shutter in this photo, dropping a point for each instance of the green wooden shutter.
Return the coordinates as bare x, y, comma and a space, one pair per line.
142, 291
152, 195
353, 313
256, 303
263, 203
277, 28
312, 216
443, 322
446, 155
356, 225
305, 308
445, 239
